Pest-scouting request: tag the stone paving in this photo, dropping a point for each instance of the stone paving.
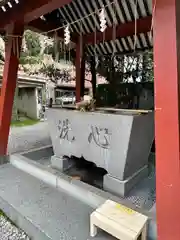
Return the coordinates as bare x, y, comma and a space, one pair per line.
28, 137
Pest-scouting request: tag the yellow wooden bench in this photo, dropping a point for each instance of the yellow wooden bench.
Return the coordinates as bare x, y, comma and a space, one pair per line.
119, 221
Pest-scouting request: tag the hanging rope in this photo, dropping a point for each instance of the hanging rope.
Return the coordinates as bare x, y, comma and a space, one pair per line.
95, 44
152, 22
81, 41
69, 53
17, 47
71, 23
114, 32
56, 52
14, 45
135, 32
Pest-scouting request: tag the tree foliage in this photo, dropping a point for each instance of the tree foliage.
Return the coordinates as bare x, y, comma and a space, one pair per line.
126, 68
54, 73
32, 43
115, 69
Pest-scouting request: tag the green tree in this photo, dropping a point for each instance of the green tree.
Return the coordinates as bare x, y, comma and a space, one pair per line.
32, 43
31, 50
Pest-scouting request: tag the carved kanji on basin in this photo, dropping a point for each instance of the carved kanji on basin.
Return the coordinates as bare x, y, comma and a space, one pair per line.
100, 136
65, 131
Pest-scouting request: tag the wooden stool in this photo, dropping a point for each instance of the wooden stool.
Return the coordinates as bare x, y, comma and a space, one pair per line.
119, 221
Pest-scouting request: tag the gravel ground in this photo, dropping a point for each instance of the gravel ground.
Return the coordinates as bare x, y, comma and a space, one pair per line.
28, 137
9, 232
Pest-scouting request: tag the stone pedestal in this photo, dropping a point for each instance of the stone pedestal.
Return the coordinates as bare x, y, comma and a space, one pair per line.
122, 187
60, 163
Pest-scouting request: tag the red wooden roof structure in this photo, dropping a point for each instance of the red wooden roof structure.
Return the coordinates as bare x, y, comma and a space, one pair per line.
125, 18
119, 13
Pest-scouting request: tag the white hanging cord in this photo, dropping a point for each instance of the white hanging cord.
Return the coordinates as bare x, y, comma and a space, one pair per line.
152, 22
81, 41
135, 34
95, 44
14, 45
61, 48
17, 47
95, 49
64, 51
56, 47
69, 53
114, 32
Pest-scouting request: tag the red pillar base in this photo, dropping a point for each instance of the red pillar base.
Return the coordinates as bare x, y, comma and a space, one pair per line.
9, 82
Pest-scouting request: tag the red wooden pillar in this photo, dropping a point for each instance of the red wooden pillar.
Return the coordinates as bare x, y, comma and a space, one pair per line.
80, 70
167, 117
12, 50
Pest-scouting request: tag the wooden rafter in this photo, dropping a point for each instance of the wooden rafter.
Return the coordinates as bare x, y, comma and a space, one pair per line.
29, 10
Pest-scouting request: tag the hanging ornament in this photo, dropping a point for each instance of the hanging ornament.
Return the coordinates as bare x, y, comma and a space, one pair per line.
102, 19
56, 47
17, 47
66, 35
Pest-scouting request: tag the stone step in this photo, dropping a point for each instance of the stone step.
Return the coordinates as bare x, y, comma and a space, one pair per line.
42, 211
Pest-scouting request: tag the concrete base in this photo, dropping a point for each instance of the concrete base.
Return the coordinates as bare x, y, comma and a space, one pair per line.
121, 188
60, 163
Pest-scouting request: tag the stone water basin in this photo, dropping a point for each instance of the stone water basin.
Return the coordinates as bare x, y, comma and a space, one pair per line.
117, 140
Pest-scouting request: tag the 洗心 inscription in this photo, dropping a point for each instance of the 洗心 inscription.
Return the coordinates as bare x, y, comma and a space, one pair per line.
100, 136
65, 130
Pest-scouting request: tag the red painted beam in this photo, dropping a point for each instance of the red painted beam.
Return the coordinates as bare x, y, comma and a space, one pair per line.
44, 6
167, 117
122, 30
9, 83
29, 10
